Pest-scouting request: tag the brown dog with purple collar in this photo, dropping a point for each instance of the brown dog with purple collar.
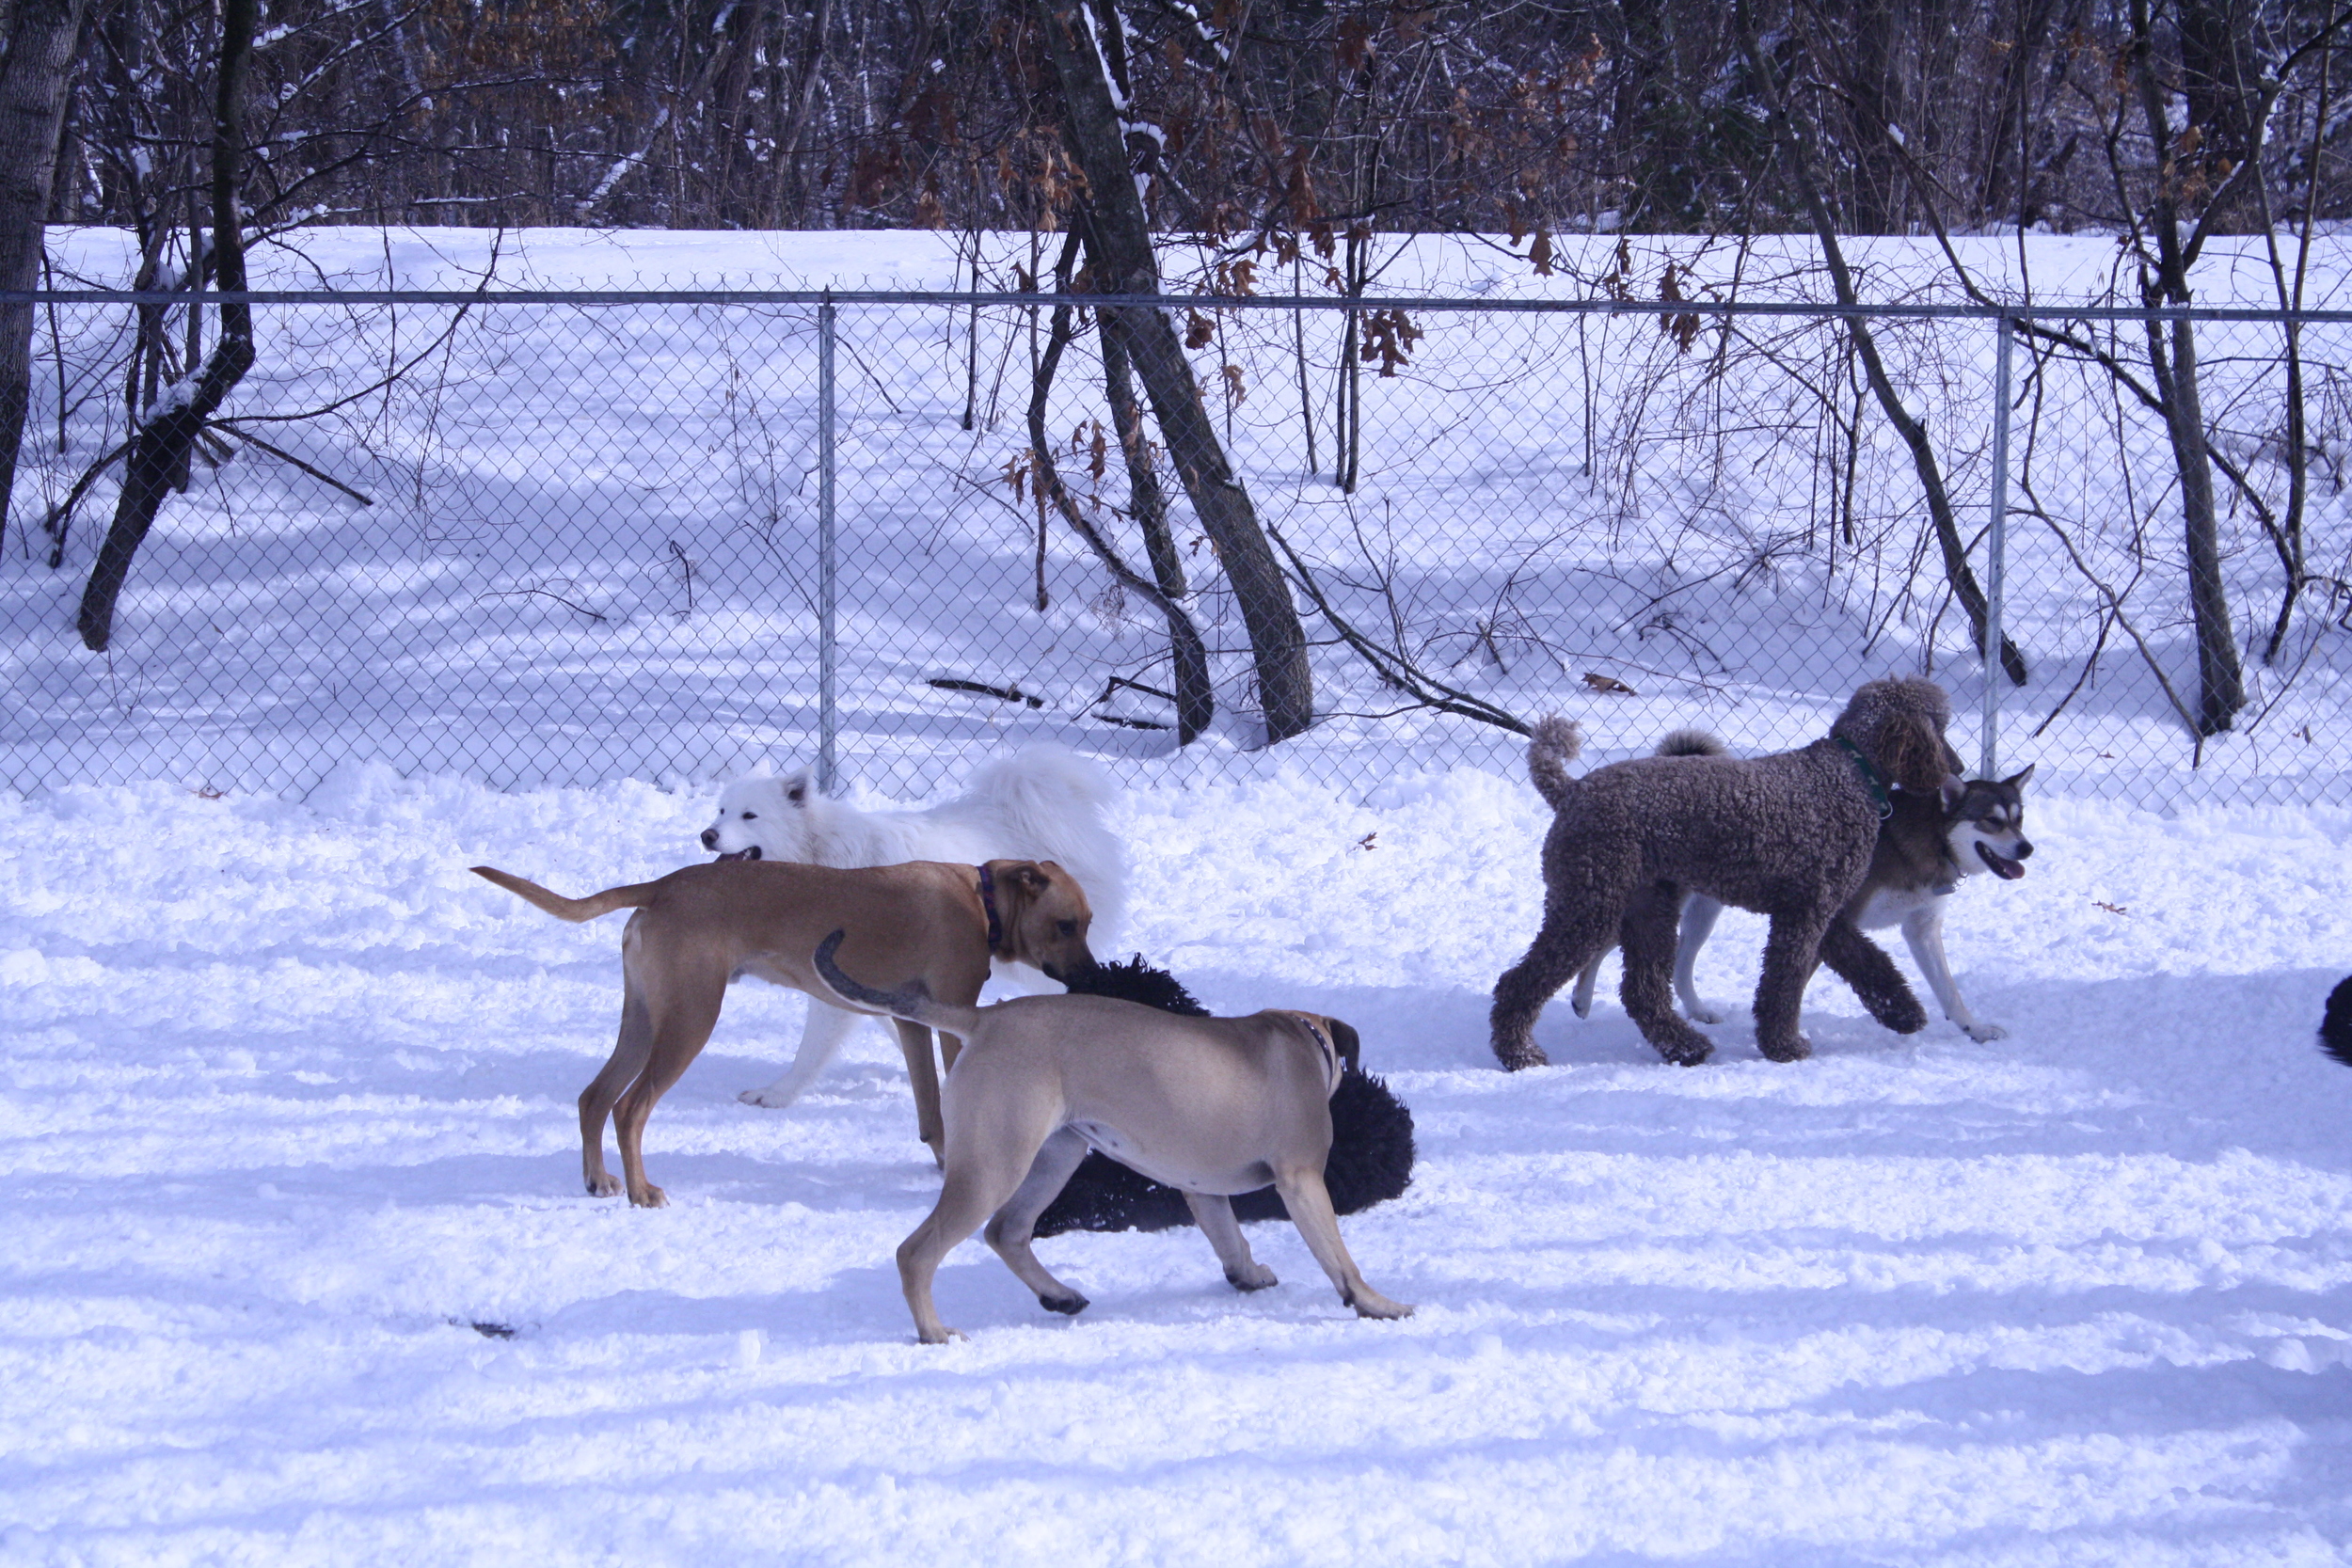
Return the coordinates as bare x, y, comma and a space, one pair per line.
697, 930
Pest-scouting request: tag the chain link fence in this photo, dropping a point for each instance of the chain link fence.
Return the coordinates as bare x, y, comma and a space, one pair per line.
543, 540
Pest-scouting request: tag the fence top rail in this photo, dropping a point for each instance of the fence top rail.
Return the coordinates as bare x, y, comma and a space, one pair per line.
2023, 312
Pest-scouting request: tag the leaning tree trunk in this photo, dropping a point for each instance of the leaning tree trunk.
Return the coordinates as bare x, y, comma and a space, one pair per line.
34, 75
1144, 496
1915, 434
160, 446
1123, 264
1196, 699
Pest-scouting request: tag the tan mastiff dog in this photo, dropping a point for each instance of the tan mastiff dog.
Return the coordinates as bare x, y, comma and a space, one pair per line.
1211, 1106
696, 929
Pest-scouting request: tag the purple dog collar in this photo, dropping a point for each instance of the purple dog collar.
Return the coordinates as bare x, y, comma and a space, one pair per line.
988, 907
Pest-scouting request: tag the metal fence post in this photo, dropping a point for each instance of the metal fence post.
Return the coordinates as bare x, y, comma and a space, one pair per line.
826, 721
1996, 550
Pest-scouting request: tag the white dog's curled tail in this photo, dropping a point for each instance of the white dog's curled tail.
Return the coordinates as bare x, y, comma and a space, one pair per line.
1554, 743
912, 1001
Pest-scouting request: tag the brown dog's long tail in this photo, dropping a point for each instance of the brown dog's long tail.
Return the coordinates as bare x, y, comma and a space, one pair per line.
912, 1001
629, 898
1555, 744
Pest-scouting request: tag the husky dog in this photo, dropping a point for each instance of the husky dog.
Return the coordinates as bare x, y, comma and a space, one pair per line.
1043, 804
1927, 844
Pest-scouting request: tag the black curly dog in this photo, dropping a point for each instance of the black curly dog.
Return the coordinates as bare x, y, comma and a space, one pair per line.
2335, 1028
1371, 1139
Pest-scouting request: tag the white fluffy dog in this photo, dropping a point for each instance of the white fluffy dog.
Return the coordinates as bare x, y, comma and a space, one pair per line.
1044, 803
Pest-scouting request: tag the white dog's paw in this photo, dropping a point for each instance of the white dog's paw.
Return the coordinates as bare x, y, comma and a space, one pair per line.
770, 1097
1705, 1012
1983, 1033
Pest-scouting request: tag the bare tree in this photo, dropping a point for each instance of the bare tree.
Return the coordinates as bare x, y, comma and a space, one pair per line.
2165, 257
161, 445
34, 76
1795, 139
1119, 240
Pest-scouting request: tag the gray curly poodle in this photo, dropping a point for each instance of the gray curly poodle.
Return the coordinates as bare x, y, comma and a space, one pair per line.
1787, 835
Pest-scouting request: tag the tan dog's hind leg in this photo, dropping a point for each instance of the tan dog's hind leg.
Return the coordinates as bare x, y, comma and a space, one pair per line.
1304, 1195
915, 1044
1015, 1224
681, 1027
1215, 1216
596, 1101
986, 1165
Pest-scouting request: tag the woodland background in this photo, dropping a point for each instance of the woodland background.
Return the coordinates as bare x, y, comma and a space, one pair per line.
1289, 139
1261, 119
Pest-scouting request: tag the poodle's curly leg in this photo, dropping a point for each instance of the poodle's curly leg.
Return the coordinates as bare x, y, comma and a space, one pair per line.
1791, 951
1568, 941
1650, 940
1864, 965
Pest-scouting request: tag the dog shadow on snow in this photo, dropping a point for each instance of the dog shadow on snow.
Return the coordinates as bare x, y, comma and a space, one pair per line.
2191, 1066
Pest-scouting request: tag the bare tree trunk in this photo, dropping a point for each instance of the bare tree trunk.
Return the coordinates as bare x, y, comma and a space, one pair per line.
1915, 434
1196, 699
163, 439
2291, 544
2003, 187
34, 76
1145, 498
2221, 689
1119, 240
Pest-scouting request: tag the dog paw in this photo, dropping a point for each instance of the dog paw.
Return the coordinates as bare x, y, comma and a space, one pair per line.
1583, 1005
1796, 1049
1514, 1059
604, 1186
769, 1099
1985, 1033
1704, 1014
653, 1197
939, 1336
1069, 1305
1257, 1276
1370, 1303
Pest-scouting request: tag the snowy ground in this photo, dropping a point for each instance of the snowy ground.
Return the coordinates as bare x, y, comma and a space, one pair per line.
288, 1109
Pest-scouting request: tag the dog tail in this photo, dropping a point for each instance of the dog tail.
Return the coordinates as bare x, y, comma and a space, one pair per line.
912, 1001
1554, 743
630, 897
1692, 743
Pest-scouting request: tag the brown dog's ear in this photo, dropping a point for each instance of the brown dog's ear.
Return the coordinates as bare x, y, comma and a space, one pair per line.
1023, 877
1346, 1042
1912, 753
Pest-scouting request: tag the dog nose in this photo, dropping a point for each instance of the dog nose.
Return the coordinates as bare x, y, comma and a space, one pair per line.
2023, 849
710, 838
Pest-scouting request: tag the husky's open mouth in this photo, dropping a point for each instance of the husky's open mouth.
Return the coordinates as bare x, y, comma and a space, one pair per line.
2001, 865
750, 854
